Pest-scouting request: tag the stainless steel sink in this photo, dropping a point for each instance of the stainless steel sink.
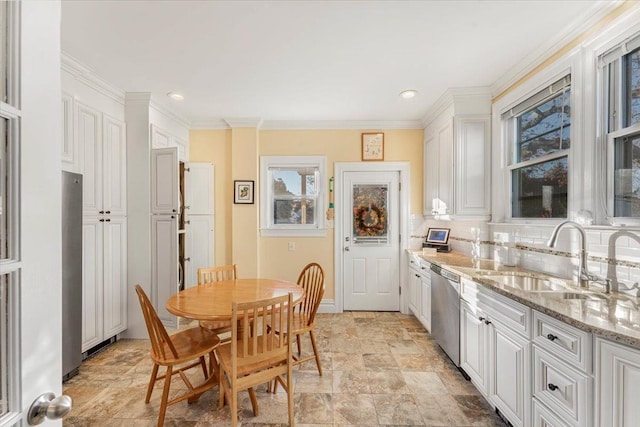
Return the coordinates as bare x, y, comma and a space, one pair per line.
528, 283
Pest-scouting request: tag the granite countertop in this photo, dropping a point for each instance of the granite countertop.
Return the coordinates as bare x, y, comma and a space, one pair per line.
612, 316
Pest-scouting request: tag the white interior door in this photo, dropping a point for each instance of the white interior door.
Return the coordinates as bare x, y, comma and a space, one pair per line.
371, 240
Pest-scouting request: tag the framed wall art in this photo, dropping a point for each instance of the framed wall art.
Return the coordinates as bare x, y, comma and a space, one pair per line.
243, 192
373, 146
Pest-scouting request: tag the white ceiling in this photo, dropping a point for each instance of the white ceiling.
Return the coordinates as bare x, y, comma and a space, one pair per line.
309, 60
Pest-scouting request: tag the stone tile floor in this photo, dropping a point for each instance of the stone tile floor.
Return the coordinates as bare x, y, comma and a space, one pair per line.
378, 369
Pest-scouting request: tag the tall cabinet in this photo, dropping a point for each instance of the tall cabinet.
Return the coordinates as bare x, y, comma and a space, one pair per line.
457, 156
181, 225
96, 147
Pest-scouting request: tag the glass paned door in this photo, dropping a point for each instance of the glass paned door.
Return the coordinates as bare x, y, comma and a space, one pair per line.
370, 213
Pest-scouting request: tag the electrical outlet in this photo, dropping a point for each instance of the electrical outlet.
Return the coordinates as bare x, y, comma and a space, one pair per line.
292, 246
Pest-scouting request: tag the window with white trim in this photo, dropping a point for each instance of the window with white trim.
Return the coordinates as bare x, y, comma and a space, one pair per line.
10, 265
538, 132
620, 73
292, 200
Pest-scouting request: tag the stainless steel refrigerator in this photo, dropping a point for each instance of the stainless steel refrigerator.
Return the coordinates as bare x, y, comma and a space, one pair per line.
71, 273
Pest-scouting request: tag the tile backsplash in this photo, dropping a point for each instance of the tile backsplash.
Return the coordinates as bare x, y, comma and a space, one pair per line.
525, 246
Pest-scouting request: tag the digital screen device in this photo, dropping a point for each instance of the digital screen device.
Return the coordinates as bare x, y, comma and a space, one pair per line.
438, 236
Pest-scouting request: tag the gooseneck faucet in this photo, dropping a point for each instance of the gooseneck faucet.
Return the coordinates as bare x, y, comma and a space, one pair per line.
611, 255
583, 274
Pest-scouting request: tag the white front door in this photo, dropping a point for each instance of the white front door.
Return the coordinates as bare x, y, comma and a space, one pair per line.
371, 240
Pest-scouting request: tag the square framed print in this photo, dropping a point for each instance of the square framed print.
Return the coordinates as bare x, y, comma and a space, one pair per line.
373, 146
243, 192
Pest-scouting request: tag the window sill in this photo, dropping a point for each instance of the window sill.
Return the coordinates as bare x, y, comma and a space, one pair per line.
292, 232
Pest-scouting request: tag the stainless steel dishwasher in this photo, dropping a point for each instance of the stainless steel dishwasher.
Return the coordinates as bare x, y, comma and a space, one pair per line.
445, 311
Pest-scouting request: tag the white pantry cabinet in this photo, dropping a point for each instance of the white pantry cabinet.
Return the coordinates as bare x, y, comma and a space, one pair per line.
70, 154
457, 157
164, 264
100, 141
161, 138
104, 281
617, 384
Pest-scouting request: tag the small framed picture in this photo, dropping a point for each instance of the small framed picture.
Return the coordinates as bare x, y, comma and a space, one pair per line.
243, 192
373, 146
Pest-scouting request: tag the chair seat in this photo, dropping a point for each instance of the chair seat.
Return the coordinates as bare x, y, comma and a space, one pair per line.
218, 326
299, 324
189, 344
224, 358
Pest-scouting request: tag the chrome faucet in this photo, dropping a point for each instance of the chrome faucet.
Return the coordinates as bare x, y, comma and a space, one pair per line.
612, 276
583, 274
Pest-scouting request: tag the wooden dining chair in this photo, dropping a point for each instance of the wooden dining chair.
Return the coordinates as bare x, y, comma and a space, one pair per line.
190, 345
256, 354
211, 275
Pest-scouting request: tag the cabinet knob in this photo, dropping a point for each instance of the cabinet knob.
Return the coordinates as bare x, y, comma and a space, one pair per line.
487, 322
173, 210
551, 337
552, 387
107, 212
101, 212
101, 219
108, 220
417, 275
188, 259
482, 319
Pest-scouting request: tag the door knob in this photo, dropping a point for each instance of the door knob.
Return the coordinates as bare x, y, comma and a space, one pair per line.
47, 405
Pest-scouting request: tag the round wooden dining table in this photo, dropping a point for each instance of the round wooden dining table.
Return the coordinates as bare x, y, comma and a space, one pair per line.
212, 301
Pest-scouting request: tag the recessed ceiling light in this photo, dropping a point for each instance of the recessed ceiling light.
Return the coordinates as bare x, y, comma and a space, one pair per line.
175, 96
406, 94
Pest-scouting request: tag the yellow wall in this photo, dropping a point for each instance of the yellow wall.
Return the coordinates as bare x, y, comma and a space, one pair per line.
275, 260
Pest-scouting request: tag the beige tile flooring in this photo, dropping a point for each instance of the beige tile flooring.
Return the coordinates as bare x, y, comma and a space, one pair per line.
378, 369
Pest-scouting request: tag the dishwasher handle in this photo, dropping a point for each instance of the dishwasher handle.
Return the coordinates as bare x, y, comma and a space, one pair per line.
444, 273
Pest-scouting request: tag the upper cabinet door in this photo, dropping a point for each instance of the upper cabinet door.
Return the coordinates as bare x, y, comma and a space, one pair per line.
164, 181
431, 170
472, 161
114, 151
198, 197
160, 138
70, 156
88, 136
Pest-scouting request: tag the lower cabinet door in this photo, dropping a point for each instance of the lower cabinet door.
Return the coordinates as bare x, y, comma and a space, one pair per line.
425, 302
543, 417
164, 264
510, 378
617, 384
414, 289
115, 276
199, 247
92, 281
473, 345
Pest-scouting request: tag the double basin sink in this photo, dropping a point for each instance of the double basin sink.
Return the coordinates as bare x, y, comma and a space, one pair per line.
550, 287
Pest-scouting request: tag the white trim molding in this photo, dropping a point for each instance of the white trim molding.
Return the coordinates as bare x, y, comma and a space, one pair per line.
209, 124
244, 122
340, 124
168, 113
327, 306
459, 96
87, 76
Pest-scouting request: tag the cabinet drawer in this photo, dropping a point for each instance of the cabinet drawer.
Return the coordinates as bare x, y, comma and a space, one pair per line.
543, 417
414, 261
512, 314
563, 389
570, 344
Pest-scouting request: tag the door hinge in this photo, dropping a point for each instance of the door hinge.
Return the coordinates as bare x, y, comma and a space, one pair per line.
400, 290
400, 238
399, 186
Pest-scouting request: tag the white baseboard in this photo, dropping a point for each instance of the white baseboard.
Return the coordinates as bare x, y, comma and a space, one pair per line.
327, 306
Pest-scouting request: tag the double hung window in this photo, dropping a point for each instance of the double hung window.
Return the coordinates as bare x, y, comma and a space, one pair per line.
538, 134
621, 83
292, 201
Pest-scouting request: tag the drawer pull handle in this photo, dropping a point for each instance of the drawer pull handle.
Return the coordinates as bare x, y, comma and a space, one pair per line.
552, 337
552, 387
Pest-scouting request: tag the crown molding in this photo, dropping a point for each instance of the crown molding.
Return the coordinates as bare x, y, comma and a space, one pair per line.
138, 97
209, 124
340, 124
88, 77
573, 31
244, 122
169, 113
453, 95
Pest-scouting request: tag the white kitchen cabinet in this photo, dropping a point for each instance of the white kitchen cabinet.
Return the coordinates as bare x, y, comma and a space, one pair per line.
415, 281
70, 154
473, 345
103, 143
457, 157
199, 246
510, 378
183, 148
165, 181
425, 300
199, 186
160, 138
617, 384
164, 264
495, 348
104, 271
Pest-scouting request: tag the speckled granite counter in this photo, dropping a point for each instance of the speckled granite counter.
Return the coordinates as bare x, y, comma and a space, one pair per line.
615, 317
